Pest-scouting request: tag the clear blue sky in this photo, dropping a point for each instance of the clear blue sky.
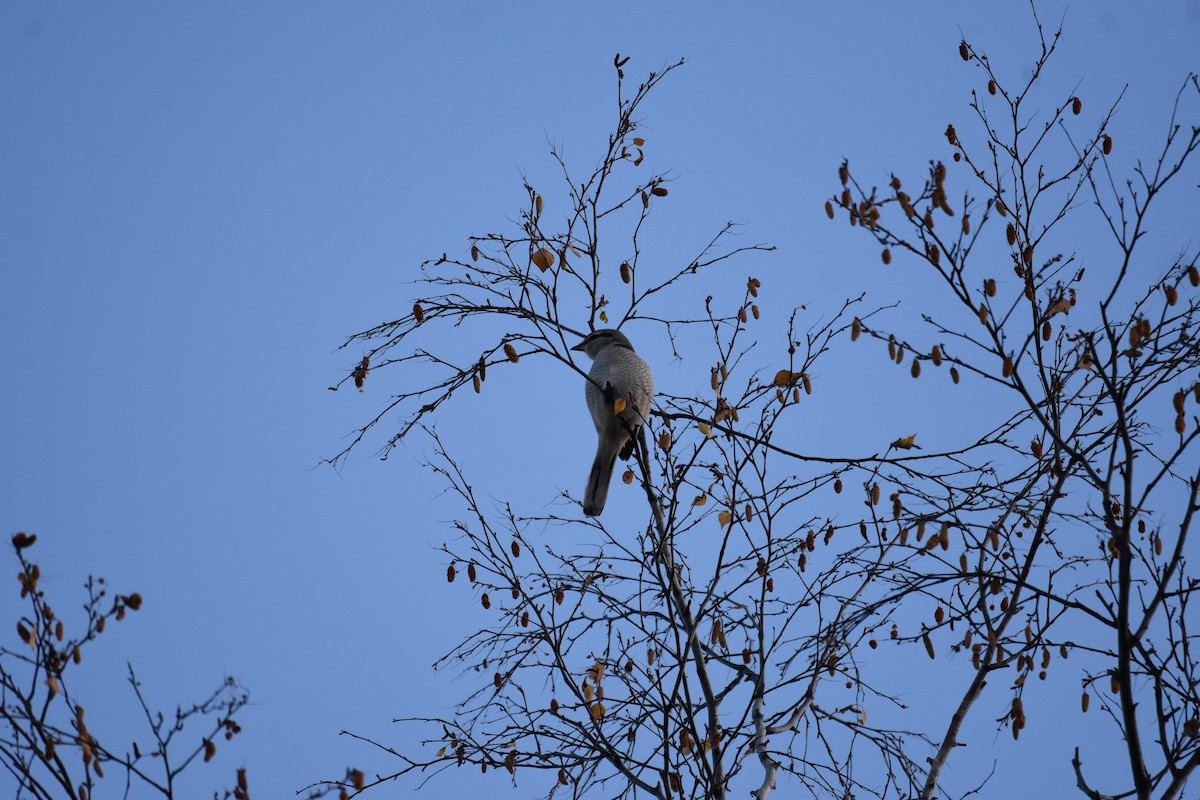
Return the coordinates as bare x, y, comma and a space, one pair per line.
199, 201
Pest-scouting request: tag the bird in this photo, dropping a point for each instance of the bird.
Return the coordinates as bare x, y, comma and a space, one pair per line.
617, 374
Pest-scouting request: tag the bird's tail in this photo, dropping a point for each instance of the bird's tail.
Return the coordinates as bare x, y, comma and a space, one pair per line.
596, 493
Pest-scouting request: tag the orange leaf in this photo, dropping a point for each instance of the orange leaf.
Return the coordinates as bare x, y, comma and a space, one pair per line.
543, 259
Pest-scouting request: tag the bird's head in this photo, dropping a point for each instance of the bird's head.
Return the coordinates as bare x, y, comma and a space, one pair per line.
597, 340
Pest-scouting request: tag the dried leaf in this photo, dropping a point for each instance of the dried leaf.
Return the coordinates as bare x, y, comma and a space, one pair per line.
724, 518
543, 259
619, 405
905, 443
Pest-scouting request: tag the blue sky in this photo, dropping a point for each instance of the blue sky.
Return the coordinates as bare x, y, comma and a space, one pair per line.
200, 202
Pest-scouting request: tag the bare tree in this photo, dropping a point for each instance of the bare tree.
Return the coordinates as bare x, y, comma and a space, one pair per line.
1072, 533
722, 646
47, 742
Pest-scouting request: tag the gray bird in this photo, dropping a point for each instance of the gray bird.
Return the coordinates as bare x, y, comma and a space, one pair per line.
617, 372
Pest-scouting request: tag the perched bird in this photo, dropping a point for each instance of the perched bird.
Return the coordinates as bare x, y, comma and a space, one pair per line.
619, 392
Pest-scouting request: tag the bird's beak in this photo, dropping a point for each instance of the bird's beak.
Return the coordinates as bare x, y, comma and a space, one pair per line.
580, 346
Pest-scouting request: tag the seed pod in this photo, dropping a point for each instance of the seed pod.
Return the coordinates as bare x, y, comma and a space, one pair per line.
829, 209
846, 198
991, 87
626, 276
1001, 209
1172, 295
1007, 369
1027, 255
928, 644
660, 191
1106, 144
742, 314
837, 486
964, 51
983, 315
807, 383
1076, 105
1158, 545
886, 255
476, 383
1180, 424
966, 223
485, 601
875, 494
855, 329
474, 252
989, 287
1085, 701
450, 573
1177, 401
844, 174
418, 313
516, 548
936, 355
929, 219
1035, 447
754, 312
511, 352
954, 374
471, 572
1193, 275
951, 135
934, 254
1046, 330
916, 368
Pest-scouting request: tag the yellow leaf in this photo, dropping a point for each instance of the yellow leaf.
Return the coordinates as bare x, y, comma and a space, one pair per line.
441, 752
638, 141
700, 500
784, 377
723, 518
905, 443
705, 429
603, 317
597, 711
618, 405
